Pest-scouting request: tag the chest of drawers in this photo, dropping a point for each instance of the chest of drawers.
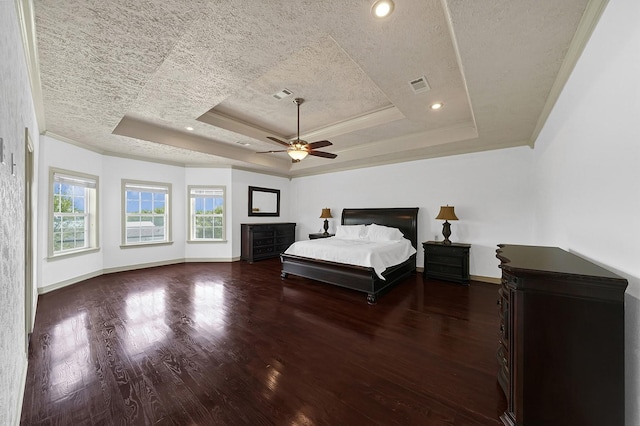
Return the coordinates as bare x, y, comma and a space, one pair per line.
561, 350
265, 240
446, 261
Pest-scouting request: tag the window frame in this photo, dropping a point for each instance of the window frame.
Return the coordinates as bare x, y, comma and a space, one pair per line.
191, 214
166, 188
91, 213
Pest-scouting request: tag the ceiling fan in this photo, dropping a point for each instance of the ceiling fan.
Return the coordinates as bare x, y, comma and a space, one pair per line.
299, 149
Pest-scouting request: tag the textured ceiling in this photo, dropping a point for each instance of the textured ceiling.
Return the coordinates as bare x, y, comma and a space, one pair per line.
126, 78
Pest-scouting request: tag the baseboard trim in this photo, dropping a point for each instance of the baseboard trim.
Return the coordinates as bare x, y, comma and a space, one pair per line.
75, 280
490, 280
70, 281
23, 385
142, 266
483, 279
210, 259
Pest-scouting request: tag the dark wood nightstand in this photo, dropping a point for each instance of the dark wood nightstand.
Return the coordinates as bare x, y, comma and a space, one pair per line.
320, 235
446, 261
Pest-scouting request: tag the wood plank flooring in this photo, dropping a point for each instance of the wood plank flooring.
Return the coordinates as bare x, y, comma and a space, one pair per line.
234, 344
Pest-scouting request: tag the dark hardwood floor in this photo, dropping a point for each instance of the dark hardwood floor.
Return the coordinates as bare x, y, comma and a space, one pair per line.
234, 344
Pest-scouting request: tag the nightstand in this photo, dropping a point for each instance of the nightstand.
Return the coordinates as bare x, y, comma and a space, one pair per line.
320, 235
446, 261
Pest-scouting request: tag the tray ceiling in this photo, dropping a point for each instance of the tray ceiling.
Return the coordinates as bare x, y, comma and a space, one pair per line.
128, 78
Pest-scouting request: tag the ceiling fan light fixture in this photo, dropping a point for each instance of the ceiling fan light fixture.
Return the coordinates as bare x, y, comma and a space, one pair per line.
299, 149
382, 8
297, 153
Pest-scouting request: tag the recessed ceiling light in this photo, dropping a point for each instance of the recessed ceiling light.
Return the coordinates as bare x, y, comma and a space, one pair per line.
382, 8
437, 105
243, 143
189, 128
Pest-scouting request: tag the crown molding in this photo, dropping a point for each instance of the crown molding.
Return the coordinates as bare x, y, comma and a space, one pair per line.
456, 49
587, 24
375, 118
111, 153
381, 116
235, 125
26, 18
73, 142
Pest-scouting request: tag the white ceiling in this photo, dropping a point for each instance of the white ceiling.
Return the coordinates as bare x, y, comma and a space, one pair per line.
126, 78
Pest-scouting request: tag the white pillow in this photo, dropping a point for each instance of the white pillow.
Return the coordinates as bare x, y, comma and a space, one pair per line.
350, 232
383, 233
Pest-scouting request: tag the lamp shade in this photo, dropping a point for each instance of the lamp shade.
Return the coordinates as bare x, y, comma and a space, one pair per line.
447, 213
297, 154
326, 213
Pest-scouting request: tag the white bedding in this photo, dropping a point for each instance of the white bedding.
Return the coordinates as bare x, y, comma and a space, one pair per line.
376, 254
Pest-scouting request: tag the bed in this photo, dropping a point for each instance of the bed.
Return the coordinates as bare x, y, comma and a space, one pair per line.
355, 277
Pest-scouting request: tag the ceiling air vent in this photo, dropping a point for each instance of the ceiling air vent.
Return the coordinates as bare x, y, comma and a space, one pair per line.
420, 85
283, 94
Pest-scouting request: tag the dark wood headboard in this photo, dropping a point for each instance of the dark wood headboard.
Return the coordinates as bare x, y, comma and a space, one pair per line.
405, 219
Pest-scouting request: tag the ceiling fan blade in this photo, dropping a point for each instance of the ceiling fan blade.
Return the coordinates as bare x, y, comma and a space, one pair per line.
279, 141
319, 144
323, 154
271, 152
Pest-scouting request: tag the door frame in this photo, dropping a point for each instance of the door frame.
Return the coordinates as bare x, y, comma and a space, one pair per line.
29, 246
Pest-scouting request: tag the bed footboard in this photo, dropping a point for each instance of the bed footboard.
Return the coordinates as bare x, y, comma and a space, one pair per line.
348, 276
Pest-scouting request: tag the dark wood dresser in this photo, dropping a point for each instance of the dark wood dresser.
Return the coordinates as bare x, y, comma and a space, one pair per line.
561, 352
265, 240
446, 261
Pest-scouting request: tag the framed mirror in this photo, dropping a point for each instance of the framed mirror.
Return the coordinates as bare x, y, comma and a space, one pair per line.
264, 201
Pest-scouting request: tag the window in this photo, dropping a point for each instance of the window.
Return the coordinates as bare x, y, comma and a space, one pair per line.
206, 213
74, 211
146, 213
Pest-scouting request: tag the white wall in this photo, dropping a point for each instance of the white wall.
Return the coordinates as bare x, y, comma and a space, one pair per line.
242, 179
110, 171
69, 157
489, 190
116, 169
16, 114
587, 163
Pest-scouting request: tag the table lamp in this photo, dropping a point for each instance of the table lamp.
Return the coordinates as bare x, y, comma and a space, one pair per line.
326, 215
446, 214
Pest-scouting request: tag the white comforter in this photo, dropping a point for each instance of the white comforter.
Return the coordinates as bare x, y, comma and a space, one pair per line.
378, 255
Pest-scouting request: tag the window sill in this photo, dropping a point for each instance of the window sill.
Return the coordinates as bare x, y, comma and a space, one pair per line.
205, 241
72, 254
159, 243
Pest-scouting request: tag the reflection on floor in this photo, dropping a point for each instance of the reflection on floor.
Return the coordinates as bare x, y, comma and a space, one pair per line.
227, 344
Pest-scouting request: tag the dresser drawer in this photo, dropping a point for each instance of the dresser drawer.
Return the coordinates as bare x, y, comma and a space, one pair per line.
442, 268
259, 242
447, 250
447, 262
262, 250
257, 235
